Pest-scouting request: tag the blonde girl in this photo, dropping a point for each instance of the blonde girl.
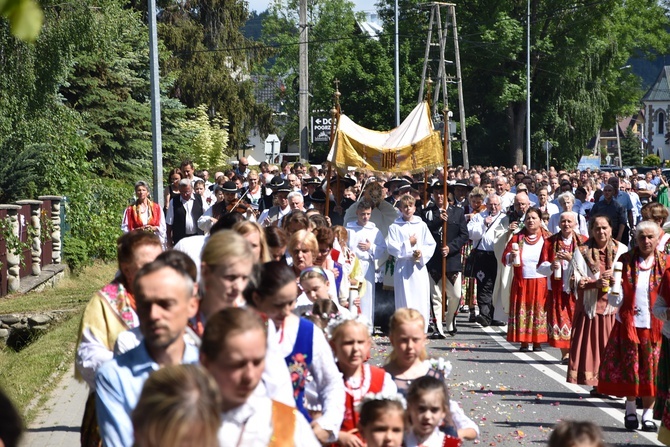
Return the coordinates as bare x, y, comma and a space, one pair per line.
408, 361
382, 421
315, 285
351, 343
255, 235
430, 422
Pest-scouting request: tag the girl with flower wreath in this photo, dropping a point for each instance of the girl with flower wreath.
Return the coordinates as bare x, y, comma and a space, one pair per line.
630, 360
351, 343
557, 254
382, 420
528, 297
302, 345
408, 361
143, 214
594, 317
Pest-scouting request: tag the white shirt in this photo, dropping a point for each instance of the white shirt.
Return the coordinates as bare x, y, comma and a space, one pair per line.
250, 425
282, 212
642, 311
327, 377
660, 311
477, 230
189, 225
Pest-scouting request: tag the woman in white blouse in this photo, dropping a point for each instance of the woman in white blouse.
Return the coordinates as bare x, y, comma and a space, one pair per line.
302, 345
630, 360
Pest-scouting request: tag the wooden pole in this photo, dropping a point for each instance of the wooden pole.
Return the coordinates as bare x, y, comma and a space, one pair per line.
334, 116
445, 146
425, 188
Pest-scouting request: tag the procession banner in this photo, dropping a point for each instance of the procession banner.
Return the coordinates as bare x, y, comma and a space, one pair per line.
413, 146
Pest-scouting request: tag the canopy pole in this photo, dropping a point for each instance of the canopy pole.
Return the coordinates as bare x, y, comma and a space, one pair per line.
334, 116
445, 145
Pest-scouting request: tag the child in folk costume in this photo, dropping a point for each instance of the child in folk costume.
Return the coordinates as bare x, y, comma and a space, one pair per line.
430, 423
315, 285
407, 363
410, 241
630, 361
576, 434
367, 243
382, 420
351, 343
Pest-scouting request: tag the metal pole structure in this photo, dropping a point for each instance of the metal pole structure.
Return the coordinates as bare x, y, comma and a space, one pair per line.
461, 104
397, 69
445, 147
618, 141
427, 53
156, 138
528, 90
303, 82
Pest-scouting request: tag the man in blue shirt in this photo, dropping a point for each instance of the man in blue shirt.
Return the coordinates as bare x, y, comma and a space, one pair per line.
165, 302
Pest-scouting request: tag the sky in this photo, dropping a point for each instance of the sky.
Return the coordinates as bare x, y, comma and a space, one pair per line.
361, 5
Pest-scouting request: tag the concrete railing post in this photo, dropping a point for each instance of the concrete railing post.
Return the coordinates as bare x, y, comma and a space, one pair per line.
36, 233
55, 234
13, 259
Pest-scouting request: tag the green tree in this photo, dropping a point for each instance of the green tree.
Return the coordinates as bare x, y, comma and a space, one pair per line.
576, 83
210, 61
337, 50
630, 148
209, 140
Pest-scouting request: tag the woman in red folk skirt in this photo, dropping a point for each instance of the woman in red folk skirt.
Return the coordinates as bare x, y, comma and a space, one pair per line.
527, 302
630, 361
555, 263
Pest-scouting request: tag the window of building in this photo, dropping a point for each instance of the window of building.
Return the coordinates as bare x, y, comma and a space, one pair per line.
661, 123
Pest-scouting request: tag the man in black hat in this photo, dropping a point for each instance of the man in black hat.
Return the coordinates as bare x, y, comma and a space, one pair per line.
214, 212
396, 187
435, 214
309, 186
460, 191
272, 216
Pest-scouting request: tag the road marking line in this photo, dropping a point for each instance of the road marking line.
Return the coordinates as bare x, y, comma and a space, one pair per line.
578, 389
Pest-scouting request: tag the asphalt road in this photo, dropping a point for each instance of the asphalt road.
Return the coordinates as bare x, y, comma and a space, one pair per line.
516, 398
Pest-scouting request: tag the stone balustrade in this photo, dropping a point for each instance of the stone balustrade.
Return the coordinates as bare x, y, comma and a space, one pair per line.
24, 222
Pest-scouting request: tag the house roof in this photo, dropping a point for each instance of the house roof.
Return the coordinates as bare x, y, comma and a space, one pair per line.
660, 90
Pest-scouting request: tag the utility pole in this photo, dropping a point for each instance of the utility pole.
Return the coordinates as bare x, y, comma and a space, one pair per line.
442, 77
303, 82
528, 89
397, 69
156, 137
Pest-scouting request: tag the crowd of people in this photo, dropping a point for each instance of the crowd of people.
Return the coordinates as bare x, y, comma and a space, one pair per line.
243, 312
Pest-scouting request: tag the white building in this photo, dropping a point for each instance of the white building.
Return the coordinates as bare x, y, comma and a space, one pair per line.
657, 108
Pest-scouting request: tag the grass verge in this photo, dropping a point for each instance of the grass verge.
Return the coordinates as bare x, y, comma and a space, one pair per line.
30, 375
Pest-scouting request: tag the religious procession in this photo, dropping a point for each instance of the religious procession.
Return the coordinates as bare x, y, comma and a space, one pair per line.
245, 310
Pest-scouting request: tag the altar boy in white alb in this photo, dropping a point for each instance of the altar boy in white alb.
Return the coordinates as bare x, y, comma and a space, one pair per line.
367, 242
410, 241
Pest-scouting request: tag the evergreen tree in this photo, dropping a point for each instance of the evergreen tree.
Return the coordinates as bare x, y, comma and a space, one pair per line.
210, 61
630, 149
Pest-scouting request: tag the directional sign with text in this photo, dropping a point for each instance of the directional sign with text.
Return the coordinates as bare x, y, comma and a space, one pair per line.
321, 129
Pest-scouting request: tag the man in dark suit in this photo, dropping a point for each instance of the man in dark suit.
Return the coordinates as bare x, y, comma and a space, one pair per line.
183, 214
435, 214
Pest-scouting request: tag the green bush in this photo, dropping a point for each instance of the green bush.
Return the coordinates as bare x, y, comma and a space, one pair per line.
652, 160
75, 254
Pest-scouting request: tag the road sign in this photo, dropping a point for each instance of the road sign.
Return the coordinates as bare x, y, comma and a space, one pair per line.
321, 129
